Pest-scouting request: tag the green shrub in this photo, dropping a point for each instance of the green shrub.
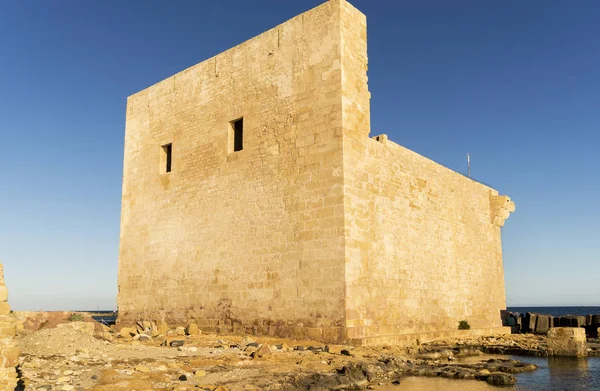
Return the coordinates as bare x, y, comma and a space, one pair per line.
75, 317
464, 325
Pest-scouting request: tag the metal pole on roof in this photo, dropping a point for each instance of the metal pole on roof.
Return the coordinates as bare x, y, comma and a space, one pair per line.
469, 165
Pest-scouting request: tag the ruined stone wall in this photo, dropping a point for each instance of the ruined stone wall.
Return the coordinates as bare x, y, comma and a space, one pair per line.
9, 351
253, 239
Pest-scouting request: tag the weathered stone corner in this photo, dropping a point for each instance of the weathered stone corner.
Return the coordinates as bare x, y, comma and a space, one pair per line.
9, 351
500, 208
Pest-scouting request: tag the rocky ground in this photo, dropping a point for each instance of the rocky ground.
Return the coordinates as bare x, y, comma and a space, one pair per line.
71, 358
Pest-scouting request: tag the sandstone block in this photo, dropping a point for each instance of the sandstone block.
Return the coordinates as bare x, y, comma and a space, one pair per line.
127, 332
192, 329
180, 330
567, 341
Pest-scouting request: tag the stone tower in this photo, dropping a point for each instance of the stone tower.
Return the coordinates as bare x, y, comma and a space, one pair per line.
255, 200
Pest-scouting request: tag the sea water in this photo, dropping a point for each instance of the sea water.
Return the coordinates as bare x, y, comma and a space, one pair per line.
553, 374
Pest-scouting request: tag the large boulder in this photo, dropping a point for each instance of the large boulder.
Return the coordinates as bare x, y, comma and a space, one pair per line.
567, 341
192, 329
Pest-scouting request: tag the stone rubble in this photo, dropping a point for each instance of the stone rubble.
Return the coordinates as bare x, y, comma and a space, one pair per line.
9, 351
68, 358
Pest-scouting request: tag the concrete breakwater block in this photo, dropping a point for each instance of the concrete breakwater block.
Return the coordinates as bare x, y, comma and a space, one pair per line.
529, 323
567, 341
543, 324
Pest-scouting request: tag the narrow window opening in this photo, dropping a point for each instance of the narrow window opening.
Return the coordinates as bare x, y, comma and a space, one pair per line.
167, 156
237, 134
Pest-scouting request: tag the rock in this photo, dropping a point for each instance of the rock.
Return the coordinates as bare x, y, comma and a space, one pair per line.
430, 356
85, 327
192, 329
263, 350
145, 337
595, 320
333, 349
142, 368
245, 341
180, 330
200, 373
192, 349
176, 343
345, 352
183, 378
163, 327
105, 335
567, 341
501, 379
484, 373
127, 332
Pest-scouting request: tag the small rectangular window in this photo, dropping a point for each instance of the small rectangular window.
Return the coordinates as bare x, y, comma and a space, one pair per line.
167, 156
236, 135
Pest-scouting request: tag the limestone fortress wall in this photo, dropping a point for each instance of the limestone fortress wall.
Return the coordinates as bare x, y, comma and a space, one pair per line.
254, 200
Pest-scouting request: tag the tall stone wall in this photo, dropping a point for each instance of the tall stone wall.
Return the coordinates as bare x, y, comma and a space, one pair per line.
422, 242
252, 239
422, 249
9, 351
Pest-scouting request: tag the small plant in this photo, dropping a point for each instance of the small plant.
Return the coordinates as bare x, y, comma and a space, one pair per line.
464, 325
75, 317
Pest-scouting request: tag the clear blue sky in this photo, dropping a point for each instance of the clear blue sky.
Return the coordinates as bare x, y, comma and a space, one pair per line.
515, 83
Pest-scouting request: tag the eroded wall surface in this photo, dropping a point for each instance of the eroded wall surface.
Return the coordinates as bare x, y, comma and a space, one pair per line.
252, 239
422, 249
